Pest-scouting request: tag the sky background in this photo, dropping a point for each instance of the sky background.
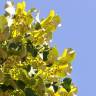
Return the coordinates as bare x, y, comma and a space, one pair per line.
78, 31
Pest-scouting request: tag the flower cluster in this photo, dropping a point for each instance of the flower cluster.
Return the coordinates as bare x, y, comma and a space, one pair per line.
28, 65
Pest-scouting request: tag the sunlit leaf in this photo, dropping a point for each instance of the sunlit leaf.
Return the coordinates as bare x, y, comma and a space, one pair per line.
51, 22
49, 18
68, 55
21, 8
52, 56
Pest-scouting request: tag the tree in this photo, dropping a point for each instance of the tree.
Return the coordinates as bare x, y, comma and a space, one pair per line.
28, 65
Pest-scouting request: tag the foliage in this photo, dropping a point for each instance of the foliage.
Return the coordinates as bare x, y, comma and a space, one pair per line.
28, 65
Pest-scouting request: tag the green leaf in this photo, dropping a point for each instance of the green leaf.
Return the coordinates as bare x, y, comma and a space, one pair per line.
15, 47
45, 53
34, 52
32, 49
1, 60
20, 84
55, 87
67, 84
17, 92
28, 68
37, 26
48, 85
31, 10
29, 92
4, 87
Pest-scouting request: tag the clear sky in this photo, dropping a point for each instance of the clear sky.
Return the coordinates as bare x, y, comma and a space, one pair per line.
78, 31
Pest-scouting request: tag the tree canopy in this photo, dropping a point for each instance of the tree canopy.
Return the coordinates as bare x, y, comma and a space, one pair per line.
29, 66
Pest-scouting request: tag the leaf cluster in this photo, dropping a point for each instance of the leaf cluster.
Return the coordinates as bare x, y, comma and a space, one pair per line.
28, 65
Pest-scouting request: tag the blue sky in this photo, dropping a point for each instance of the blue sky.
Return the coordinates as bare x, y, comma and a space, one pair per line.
78, 31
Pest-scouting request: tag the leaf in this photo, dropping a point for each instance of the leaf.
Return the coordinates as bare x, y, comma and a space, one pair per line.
40, 87
29, 92
73, 90
38, 36
48, 36
55, 87
48, 85
49, 18
3, 23
67, 84
52, 25
4, 29
20, 7
20, 84
45, 53
15, 47
17, 92
61, 92
31, 10
52, 56
62, 70
28, 19
32, 49
3, 56
4, 88
28, 68
37, 26
68, 55
1, 76
51, 22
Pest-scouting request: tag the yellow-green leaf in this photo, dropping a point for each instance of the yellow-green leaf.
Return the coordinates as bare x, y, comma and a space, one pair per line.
52, 56
68, 55
3, 23
51, 22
